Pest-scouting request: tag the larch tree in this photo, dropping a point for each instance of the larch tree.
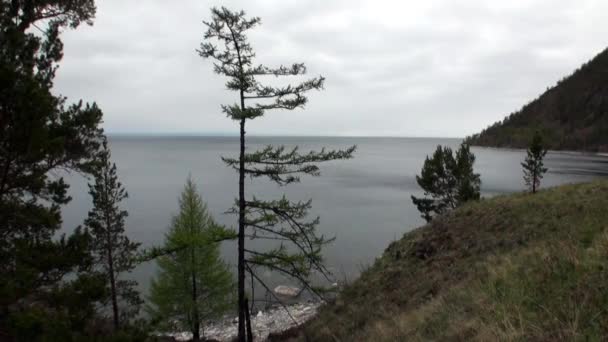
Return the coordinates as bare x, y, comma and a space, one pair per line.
299, 251
192, 284
115, 254
533, 165
41, 136
447, 181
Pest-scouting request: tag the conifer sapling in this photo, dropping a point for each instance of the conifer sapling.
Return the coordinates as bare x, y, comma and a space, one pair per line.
192, 284
533, 165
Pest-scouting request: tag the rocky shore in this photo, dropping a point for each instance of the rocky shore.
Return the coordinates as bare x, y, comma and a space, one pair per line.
273, 320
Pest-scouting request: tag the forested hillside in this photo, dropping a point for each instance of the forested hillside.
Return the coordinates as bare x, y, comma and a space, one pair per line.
572, 115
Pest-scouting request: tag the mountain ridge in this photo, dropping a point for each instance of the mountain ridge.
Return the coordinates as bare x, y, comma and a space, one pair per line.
572, 115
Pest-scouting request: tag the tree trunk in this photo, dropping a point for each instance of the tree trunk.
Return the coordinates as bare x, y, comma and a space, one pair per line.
196, 327
111, 259
241, 247
534, 180
248, 317
113, 288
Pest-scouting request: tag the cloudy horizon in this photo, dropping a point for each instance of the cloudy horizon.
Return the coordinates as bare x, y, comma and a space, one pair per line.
435, 69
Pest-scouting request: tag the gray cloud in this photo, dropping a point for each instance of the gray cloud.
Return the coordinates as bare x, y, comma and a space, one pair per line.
407, 68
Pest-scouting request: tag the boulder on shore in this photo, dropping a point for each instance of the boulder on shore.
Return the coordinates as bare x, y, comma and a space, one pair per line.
287, 291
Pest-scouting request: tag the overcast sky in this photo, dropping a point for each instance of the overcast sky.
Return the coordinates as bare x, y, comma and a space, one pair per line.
430, 68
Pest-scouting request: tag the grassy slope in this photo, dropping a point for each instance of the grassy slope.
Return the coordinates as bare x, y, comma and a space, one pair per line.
517, 267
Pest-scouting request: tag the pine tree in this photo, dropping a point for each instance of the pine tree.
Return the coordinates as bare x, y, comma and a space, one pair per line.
447, 181
533, 165
115, 254
469, 182
226, 43
41, 135
438, 181
192, 284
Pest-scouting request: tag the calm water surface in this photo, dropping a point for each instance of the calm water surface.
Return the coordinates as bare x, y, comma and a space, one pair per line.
364, 202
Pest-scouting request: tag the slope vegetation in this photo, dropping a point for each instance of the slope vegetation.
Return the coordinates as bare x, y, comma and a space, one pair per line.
573, 115
517, 267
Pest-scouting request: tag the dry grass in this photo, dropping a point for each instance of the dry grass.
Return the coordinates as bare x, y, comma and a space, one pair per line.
511, 268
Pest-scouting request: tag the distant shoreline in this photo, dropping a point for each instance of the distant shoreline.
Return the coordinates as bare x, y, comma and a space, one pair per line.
568, 152
192, 135
227, 136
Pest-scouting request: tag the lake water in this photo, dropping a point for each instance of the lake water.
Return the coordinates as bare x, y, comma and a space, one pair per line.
364, 202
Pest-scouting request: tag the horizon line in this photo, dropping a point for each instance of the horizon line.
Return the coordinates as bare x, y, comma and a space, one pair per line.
218, 135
